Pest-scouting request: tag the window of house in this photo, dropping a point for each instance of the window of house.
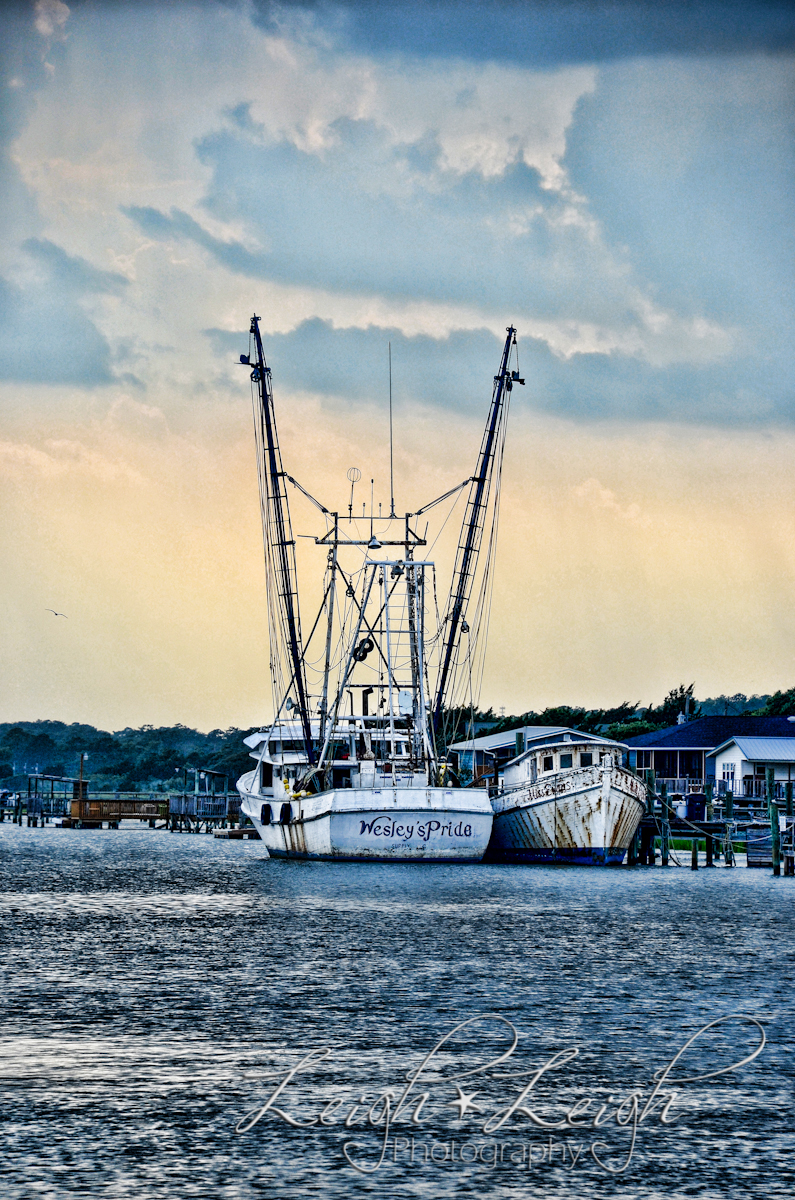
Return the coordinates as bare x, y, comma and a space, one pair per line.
690, 764
665, 764
759, 770
586, 760
728, 770
644, 760
548, 762
565, 760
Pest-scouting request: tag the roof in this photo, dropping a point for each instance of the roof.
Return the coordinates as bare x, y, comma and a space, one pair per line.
707, 732
588, 738
761, 749
494, 741
532, 734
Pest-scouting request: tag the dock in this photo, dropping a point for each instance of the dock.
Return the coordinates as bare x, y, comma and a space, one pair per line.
763, 826
209, 806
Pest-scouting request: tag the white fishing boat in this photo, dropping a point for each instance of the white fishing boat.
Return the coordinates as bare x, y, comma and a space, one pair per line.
352, 766
566, 799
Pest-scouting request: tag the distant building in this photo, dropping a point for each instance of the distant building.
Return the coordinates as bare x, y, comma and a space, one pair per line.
681, 754
482, 755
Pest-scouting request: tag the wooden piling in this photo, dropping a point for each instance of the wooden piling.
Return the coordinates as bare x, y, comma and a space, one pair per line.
789, 853
666, 825
710, 815
694, 854
728, 849
647, 853
772, 812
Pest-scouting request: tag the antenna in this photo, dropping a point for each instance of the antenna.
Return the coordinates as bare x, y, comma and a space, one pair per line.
391, 458
354, 475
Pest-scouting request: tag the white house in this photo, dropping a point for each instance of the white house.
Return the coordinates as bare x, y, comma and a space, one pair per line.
741, 763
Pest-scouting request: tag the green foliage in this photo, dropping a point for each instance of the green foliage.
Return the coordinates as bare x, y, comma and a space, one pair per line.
780, 704
590, 721
736, 705
678, 700
628, 729
458, 723
145, 759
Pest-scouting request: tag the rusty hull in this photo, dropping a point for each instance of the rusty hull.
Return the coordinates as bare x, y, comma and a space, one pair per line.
587, 816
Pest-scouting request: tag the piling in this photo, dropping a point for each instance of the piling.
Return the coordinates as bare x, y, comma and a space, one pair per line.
694, 854
710, 815
775, 832
666, 825
789, 853
728, 849
647, 854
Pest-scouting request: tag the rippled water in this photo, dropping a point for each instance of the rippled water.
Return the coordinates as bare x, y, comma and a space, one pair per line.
151, 981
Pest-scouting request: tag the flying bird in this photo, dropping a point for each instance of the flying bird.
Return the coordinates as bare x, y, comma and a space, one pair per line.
55, 614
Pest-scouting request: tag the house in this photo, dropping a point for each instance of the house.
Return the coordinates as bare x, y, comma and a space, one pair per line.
740, 764
680, 755
485, 755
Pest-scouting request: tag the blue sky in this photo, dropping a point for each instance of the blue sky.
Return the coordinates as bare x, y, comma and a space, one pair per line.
615, 179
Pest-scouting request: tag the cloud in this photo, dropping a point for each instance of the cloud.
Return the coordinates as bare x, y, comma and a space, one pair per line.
592, 494
352, 364
536, 32
64, 457
50, 17
45, 336
72, 273
349, 186
455, 372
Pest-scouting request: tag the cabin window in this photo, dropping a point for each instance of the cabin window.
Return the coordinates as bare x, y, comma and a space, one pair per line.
548, 762
267, 775
565, 760
286, 815
265, 815
586, 760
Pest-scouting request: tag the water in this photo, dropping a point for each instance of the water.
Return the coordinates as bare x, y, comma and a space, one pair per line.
152, 980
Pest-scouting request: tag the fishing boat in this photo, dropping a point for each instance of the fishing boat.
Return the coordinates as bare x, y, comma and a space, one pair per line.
352, 767
566, 799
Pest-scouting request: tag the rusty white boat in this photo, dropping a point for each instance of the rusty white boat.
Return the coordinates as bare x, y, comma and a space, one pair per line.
349, 769
566, 799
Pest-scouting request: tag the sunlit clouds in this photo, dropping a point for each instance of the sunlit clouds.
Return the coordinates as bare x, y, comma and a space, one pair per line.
170, 169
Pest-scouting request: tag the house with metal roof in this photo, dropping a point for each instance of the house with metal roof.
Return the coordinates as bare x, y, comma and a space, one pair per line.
485, 756
682, 754
741, 763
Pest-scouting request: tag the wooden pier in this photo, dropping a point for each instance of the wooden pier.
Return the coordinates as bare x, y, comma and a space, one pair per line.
206, 807
767, 834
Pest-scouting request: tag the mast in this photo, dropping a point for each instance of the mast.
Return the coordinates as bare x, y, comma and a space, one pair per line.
472, 533
278, 534
332, 564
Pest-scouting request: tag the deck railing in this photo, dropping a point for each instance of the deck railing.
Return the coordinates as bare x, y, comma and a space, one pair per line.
743, 789
118, 806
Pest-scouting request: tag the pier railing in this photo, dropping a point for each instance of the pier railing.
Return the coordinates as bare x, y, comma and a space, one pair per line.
743, 789
120, 806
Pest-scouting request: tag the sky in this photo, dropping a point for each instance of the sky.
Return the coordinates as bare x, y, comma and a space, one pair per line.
614, 179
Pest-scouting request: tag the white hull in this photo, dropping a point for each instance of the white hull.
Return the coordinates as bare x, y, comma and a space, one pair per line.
587, 815
414, 824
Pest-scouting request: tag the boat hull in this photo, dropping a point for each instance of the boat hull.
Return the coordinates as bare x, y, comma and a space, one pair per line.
378, 825
587, 817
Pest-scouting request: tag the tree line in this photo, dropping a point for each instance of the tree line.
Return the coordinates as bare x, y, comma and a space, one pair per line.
155, 758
